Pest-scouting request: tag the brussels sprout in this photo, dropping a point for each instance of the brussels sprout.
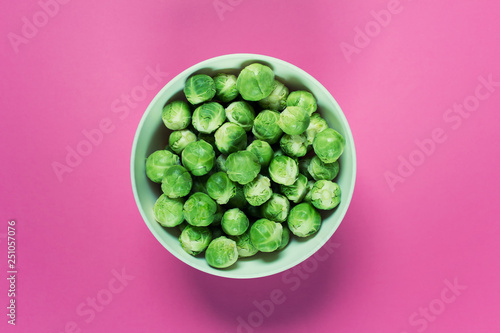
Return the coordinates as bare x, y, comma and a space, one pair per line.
225, 87
208, 117
309, 187
220, 187
176, 115
304, 165
178, 140
316, 125
177, 182
199, 88
242, 166
168, 212
262, 150
294, 120
241, 113
303, 99
325, 194
183, 225
158, 162
329, 145
266, 127
238, 200
255, 82
304, 220
283, 170
234, 222
294, 145
199, 209
198, 157
266, 235
220, 163
276, 209
285, 238
258, 190
297, 191
194, 240
244, 245
320, 170
277, 100
222, 252
230, 138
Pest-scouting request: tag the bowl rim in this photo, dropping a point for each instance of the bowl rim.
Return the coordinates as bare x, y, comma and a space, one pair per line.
257, 57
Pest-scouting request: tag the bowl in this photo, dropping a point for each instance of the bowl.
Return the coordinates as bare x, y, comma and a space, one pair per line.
152, 135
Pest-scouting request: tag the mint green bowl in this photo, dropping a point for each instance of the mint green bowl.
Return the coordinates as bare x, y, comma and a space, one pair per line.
152, 135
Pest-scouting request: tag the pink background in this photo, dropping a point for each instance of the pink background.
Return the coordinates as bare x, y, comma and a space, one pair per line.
396, 252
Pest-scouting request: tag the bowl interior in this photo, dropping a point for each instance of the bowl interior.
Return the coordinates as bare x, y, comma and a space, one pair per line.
152, 135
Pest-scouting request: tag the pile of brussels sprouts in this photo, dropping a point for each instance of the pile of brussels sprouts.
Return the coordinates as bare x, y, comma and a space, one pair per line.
247, 163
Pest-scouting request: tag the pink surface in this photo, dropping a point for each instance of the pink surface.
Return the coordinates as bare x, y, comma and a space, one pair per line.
418, 250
